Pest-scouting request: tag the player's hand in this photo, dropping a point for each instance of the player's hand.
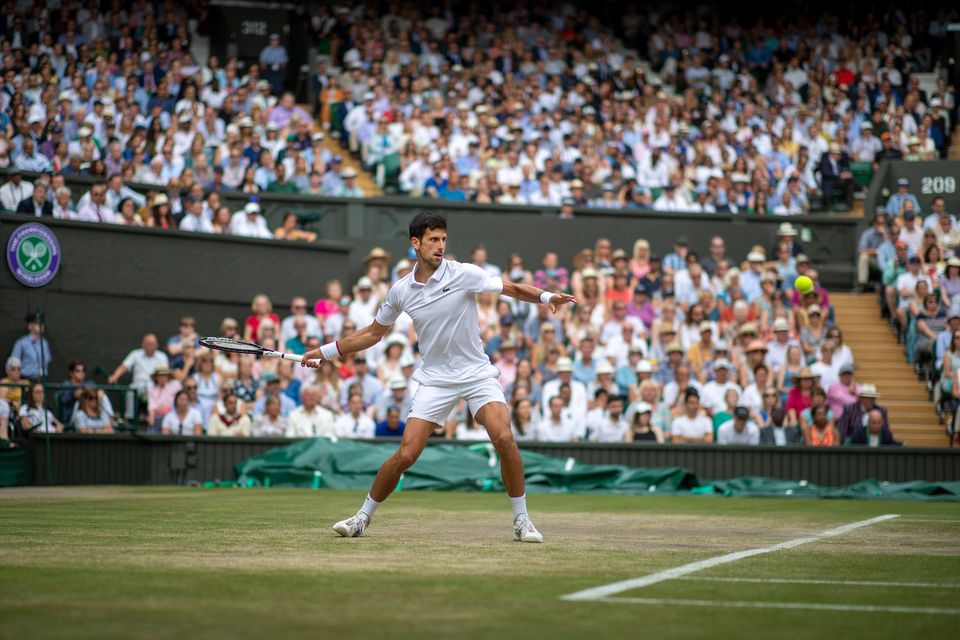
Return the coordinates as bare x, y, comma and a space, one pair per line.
312, 359
560, 299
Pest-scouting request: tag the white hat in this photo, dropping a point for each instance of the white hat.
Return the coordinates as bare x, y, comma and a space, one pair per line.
364, 283
564, 365
84, 131
251, 207
868, 391
184, 119
604, 367
404, 264
64, 95
273, 126
755, 256
369, 95
643, 407
644, 366
317, 136
786, 229
781, 324
398, 382
722, 363
396, 338
36, 118
161, 198
233, 128
246, 121
407, 361
705, 325
348, 172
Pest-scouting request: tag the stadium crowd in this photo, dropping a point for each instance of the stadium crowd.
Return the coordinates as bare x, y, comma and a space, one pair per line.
664, 110
685, 347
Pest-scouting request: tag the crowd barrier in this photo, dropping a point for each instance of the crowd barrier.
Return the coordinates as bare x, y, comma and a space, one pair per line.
137, 459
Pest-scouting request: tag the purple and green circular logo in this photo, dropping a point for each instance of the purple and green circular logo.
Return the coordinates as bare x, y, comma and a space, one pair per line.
33, 254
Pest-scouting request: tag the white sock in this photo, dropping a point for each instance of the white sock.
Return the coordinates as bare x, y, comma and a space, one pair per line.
519, 506
369, 506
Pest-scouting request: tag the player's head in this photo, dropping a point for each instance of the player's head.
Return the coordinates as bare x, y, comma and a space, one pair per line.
428, 237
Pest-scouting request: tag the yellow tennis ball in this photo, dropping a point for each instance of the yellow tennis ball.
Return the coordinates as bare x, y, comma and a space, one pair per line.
803, 284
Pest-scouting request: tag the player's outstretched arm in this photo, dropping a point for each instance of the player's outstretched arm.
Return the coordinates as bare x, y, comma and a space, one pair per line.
362, 339
530, 293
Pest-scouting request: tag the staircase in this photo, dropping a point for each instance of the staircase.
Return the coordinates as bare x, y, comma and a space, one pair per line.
880, 360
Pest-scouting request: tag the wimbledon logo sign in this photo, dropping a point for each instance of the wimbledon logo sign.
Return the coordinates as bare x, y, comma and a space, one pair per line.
33, 254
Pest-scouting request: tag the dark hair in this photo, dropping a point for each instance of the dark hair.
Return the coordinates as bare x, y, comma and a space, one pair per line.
691, 392
424, 222
74, 364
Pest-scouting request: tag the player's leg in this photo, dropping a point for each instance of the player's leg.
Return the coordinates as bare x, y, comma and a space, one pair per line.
487, 403
415, 436
496, 420
431, 406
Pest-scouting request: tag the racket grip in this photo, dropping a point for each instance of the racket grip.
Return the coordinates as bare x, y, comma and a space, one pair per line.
295, 358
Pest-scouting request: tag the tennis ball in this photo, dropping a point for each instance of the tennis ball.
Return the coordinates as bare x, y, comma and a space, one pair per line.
803, 284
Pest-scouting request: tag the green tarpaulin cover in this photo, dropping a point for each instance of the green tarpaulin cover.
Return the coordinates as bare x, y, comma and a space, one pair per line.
346, 464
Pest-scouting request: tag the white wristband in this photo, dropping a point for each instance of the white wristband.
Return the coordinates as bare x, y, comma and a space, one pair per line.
330, 351
546, 296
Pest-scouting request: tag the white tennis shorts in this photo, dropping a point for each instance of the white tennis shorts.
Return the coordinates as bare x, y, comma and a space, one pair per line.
435, 403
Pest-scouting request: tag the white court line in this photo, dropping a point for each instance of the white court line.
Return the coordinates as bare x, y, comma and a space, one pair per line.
747, 604
595, 593
852, 583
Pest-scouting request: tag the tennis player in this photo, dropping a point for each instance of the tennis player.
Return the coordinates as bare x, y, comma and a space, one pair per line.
440, 297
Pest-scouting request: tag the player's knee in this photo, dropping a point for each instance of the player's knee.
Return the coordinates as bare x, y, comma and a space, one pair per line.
503, 440
405, 457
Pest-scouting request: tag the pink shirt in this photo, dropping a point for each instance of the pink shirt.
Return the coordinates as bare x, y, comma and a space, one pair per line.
508, 372
838, 396
160, 399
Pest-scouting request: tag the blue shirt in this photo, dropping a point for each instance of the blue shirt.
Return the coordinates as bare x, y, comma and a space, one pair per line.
27, 349
286, 405
895, 203
584, 373
673, 261
383, 431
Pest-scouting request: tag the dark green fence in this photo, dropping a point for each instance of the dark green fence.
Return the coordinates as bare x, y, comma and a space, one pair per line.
173, 460
928, 180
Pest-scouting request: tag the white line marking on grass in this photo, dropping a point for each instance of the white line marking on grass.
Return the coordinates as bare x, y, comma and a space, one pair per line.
747, 604
853, 583
595, 593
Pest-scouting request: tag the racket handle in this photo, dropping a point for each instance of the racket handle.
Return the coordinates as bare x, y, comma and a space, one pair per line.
292, 356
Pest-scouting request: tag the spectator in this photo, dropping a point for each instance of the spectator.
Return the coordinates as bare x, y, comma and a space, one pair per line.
208, 384
876, 433
739, 430
187, 334
34, 417
90, 415
288, 230
578, 391
800, 396
556, 426
184, 420
870, 241
229, 420
524, 420
270, 424
194, 220
855, 414
248, 223
15, 191
273, 62
391, 426
642, 428
32, 350
36, 204
354, 423
778, 433
835, 173
844, 391
692, 426
140, 364
613, 427
394, 396
715, 391
262, 309
310, 420
821, 433
270, 382
895, 204
298, 311
160, 395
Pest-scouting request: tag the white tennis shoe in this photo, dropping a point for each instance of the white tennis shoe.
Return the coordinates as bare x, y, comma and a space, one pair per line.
524, 531
352, 527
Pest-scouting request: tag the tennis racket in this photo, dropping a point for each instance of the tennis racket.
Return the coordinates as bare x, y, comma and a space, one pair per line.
249, 348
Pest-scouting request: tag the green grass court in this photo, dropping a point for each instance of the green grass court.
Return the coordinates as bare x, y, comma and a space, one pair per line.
231, 563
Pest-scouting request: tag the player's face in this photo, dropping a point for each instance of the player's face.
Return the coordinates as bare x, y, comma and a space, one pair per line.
431, 246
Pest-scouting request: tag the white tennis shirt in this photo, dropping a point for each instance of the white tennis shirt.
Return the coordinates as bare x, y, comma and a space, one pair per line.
444, 313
